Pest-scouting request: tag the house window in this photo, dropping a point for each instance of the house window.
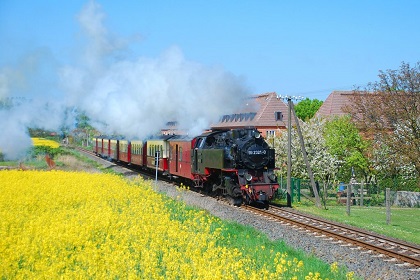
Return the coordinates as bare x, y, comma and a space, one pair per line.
271, 133
278, 116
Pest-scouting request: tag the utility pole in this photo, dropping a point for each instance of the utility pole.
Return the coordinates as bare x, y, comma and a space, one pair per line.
289, 152
305, 158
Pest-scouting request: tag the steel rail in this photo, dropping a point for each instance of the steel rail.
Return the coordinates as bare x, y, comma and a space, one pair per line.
400, 250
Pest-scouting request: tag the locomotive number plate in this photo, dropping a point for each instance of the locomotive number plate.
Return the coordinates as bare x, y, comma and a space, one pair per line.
257, 152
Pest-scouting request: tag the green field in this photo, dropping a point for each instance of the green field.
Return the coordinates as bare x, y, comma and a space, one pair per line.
404, 224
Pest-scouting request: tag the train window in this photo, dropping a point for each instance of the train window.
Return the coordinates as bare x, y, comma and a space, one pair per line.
210, 141
180, 154
199, 141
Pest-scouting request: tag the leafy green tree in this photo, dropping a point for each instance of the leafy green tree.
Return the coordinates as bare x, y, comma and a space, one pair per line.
82, 121
345, 142
307, 108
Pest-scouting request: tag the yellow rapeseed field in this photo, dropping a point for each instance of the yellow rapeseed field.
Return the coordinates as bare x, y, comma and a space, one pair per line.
45, 142
74, 225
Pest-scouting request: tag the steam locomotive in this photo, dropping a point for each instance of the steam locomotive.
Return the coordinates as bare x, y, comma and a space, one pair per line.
235, 163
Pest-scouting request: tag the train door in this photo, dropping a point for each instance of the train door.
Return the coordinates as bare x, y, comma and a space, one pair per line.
176, 158
118, 150
109, 148
129, 152
196, 156
102, 147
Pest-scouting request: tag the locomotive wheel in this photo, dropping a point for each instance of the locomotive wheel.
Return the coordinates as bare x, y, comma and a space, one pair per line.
247, 199
237, 201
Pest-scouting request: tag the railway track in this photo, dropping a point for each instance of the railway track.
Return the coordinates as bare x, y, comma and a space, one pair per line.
397, 251
129, 170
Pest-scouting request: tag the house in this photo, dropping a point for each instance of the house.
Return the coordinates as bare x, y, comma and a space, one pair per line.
267, 112
334, 104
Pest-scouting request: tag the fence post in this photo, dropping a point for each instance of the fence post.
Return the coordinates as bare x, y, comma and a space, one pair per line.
361, 194
292, 186
349, 188
388, 205
298, 190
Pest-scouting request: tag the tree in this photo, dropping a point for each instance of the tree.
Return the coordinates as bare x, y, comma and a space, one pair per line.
323, 164
307, 108
344, 141
389, 111
83, 130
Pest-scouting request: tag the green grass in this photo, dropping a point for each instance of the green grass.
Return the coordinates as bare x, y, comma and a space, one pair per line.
404, 224
37, 160
31, 164
9, 163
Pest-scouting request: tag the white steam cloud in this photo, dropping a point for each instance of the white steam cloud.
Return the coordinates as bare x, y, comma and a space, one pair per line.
132, 97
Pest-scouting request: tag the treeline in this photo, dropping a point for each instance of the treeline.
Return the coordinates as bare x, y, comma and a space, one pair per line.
377, 142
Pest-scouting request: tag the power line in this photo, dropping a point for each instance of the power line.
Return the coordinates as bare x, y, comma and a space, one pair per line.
312, 92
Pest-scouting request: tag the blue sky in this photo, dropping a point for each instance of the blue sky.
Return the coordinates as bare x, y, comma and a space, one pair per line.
306, 48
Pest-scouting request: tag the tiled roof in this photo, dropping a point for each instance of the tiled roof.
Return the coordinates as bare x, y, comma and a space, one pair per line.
333, 105
257, 111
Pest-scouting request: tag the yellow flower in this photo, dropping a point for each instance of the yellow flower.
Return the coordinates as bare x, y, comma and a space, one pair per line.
45, 142
83, 225
334, 267
350, 275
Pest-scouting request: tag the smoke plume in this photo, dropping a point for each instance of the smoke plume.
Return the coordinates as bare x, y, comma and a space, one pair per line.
133, 97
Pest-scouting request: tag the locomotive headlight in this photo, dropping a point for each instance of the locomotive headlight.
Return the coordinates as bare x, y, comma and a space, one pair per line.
248, 177
257, 134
